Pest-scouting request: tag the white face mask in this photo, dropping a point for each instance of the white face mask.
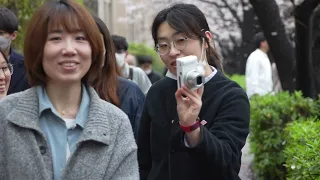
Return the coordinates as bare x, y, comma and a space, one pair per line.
120, 57
202, 60
4, 43
148, 71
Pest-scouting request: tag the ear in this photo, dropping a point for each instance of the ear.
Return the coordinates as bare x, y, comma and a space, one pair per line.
209, 36
14, 35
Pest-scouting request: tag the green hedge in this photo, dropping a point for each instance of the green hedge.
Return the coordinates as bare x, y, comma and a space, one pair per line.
302, 149
240, 79
142, 49
269, 116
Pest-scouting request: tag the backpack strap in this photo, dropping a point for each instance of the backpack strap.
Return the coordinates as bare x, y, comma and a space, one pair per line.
130, 73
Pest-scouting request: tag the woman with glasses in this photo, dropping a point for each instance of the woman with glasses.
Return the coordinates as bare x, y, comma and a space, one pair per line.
5, 74
60, 129
191, 134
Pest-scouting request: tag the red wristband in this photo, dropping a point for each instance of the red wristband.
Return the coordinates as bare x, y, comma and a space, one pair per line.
190, 128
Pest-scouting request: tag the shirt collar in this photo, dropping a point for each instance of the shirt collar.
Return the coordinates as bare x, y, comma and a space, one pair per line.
208, 78
45, 103
262, 52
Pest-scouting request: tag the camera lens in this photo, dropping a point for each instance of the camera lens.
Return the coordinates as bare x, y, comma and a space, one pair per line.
199, 80
193, 79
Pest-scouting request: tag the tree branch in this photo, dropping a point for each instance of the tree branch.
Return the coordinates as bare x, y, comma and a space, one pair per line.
213, 3
233, 12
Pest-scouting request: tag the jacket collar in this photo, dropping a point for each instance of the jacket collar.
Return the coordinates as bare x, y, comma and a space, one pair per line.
25, 114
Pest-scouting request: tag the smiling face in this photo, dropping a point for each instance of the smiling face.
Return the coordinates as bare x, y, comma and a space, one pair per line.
166, 35
67, 56
5, 76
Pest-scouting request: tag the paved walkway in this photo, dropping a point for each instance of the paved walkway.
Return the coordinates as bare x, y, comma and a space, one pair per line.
246, 160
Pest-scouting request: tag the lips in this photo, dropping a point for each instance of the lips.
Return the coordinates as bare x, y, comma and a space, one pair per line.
2, 88
68, 64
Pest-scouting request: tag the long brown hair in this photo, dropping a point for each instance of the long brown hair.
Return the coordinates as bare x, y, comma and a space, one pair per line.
71, 16
107, 85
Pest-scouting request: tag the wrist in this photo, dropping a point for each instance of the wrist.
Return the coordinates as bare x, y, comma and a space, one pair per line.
190, 127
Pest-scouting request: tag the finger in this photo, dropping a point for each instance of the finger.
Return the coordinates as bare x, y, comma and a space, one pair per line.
179, 95
193, 98
200, 91
191, 92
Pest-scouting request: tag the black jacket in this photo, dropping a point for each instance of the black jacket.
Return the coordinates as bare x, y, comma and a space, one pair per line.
19, 81
154, 77
131, 102
162, 153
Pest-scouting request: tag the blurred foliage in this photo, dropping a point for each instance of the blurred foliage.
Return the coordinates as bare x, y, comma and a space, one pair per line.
142, 49
23, 9
302, 149
240, 79
269, 116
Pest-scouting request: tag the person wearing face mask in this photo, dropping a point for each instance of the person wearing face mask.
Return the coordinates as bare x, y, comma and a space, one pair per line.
191, 134
8, 33
145, 63
133, 73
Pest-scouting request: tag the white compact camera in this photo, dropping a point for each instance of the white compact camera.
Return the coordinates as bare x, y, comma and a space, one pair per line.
189, 72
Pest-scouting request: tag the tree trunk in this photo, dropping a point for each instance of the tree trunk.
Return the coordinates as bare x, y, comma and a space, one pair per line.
307, 45
248, 30
280, 47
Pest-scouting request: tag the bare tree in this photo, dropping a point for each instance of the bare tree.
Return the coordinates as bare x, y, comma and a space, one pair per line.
280, 46
237, 19
307, 47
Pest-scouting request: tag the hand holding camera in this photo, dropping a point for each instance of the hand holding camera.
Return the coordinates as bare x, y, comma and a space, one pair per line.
190, 79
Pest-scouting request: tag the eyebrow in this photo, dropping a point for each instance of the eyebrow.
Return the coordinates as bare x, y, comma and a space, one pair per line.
165, 38
62, 31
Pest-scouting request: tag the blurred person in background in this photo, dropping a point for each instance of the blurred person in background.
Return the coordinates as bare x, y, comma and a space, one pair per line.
258, 69
8, 33
131, 60
133, 73
145, 63
5, 74
113, 88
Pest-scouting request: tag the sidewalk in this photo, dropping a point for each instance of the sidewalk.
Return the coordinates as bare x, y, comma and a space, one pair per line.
246, 160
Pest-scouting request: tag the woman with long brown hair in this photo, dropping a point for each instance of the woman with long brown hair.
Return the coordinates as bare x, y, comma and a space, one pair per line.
60, 128
113, 88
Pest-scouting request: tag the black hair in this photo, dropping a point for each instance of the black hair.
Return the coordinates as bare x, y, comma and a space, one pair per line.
8, 20
120, 43
143, 59
186, 18
258, 38
5, 57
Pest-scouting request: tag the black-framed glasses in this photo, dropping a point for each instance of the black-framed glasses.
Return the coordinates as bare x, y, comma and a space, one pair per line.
7, 69
163, 48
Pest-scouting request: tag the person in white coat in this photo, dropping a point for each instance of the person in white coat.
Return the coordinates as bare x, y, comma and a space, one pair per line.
258, 69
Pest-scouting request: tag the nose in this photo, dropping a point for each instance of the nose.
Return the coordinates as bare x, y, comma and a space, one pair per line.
69, 48
2, 75
173, 50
